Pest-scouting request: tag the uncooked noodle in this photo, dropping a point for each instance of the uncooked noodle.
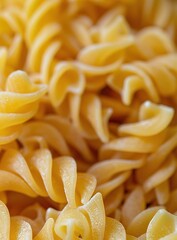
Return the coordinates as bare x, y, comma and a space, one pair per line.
88, 122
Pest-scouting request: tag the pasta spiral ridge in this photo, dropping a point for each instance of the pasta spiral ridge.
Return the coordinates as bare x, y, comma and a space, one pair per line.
147, 76
54, 132
88, 122
63, 170
21, 92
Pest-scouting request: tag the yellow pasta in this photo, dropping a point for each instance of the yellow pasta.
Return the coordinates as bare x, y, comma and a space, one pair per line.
19, 103
152, 126
88, 122
41, 183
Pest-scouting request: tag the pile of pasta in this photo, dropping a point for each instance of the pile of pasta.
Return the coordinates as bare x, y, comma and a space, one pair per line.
88, 120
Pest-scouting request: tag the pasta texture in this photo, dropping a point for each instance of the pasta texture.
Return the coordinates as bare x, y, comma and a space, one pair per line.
88, 121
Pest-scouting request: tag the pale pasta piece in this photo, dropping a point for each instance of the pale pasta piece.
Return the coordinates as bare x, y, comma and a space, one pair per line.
132, 144
72, 135
157, 71
139, 224
91, 154
153, 119
12, 44
158, 157
88, 222
45, 131
146, 76
19, 103
152, 42
161, 175
133, 79
63, 189
47, 232
156, 228
114, 230
80, 27
133, 205
43, 46
162, 192
89, 116
35, 216
112, 202
16, 228
4, 221
104, 57
106, 169
66, 79
111, 27
38, 11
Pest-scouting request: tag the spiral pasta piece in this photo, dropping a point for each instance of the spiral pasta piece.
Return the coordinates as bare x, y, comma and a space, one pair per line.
146, 76
43, 46
19, 103
56, 133
88, 136
95, 119
13, 50
138, 226
136, 80
132, 144
86, 222
112, 26
17, 228
66, 79
133, 205
160, 118
152, 42
25, 181
160, 219
109, 179
89, 59
161, 175
68, 131
157, 158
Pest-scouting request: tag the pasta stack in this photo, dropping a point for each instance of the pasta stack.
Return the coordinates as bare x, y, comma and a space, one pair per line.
88, 123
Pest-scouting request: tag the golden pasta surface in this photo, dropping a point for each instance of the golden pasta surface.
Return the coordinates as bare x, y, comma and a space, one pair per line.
88, 119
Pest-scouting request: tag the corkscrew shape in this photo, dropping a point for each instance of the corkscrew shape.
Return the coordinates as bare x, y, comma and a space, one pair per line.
18, 103
57, 179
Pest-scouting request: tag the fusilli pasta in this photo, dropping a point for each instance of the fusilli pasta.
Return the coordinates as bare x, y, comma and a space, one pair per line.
88, 123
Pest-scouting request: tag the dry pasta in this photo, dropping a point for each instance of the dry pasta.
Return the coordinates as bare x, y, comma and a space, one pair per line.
88, 122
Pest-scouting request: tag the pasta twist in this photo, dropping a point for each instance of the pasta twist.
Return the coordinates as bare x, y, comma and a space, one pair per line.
110, 179
151, 42
160, 118
12, 50
162, 217
25, 97
86, 222
89, 60
18, 228
36, 16
145, 76
132, 144
89, 116
91, 154
158, 13
56, 179
63, 77
82, 225
139, 224
57, 134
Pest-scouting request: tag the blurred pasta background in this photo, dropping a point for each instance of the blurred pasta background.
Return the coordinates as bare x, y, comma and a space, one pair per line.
88, 123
